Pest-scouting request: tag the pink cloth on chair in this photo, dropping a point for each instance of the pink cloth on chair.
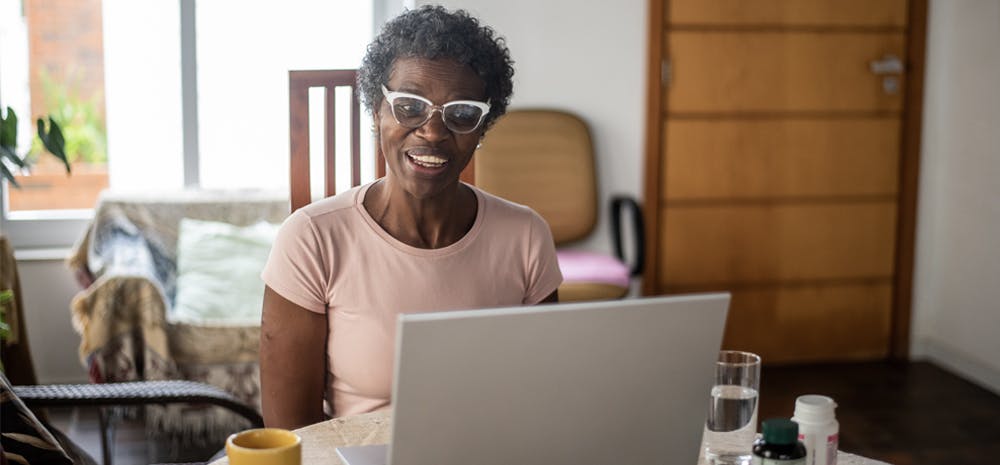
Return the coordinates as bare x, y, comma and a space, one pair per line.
579, 266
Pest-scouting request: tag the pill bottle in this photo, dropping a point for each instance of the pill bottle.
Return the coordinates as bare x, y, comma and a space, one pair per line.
818, 428
779, 444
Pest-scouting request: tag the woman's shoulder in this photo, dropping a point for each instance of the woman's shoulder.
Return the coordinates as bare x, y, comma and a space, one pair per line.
499, 209
324, 216
332, 207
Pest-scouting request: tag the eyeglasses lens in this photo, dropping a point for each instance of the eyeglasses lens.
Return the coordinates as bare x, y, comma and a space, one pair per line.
410, 112
458, 117
461, 117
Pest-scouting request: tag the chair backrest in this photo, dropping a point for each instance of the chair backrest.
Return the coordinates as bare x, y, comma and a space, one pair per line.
543, 159
299, 83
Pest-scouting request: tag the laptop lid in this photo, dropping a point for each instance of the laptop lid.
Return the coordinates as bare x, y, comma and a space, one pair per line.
623, 381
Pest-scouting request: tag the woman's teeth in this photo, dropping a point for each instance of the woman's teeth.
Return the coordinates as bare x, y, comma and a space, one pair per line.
429, 161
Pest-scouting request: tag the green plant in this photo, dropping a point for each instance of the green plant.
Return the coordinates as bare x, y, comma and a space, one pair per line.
51, 138
81, 122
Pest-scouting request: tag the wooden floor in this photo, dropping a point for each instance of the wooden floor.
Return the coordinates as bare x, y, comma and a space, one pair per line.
901, 413
81, 425
904, 414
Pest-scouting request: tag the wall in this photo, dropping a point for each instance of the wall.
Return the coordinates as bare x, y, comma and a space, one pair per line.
956, 305
48, 286
587, 57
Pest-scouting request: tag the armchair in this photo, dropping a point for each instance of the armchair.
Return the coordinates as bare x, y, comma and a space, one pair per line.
26, 434
128, 264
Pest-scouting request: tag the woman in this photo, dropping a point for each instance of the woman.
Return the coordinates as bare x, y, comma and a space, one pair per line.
417, 240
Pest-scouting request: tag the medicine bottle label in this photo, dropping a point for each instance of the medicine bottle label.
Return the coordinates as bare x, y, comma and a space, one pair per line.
832, 442
821, 452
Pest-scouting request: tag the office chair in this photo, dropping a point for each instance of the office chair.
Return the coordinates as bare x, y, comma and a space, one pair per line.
545, 159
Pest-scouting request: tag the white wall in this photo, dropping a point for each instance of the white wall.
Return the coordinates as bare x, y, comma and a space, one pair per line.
956, 305
48, 286
587, 57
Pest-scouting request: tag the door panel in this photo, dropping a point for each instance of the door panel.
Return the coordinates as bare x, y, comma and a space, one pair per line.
822, 322
766, 158
768, 72
778, 168
891, 13
732, 244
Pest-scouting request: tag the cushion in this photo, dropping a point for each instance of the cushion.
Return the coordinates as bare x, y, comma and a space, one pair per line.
580, 266
218, 272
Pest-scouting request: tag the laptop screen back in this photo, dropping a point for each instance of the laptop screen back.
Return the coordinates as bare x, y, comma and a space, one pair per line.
575, 383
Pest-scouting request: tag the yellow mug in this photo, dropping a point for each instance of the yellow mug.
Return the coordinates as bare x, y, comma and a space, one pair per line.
264, 446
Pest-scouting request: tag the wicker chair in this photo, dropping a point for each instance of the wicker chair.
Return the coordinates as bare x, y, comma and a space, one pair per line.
133, 393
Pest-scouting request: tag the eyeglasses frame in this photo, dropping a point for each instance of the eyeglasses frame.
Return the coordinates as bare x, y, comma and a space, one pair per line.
391, 96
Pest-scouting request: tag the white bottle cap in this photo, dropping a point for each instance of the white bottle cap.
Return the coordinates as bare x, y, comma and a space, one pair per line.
814, 408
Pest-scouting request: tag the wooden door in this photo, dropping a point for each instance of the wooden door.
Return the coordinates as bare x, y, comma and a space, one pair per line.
779, 168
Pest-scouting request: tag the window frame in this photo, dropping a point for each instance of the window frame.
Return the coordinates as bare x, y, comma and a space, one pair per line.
61, 229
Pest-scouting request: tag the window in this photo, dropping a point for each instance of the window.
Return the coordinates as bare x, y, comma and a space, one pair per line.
193, 93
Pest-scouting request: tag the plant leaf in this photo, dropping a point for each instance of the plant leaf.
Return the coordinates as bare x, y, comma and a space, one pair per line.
53, 140
8, 153
8, 175
8, 129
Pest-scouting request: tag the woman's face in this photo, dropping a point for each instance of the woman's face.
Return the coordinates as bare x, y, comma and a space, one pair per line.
427, 159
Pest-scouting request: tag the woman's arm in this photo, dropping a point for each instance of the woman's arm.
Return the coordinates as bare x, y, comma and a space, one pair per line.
292, 363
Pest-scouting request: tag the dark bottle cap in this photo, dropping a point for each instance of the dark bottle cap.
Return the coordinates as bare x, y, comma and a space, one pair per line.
781, 431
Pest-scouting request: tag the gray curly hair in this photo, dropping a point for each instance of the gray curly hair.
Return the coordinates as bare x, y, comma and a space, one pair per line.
433, 32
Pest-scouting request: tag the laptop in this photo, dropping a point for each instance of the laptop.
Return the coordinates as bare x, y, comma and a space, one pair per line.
623, 381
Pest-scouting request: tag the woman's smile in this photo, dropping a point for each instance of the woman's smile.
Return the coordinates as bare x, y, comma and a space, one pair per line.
427, 160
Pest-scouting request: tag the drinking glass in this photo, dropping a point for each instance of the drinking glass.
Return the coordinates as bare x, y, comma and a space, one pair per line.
732, 410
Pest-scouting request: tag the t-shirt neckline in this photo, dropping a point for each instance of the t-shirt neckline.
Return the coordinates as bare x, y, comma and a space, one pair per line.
460, 244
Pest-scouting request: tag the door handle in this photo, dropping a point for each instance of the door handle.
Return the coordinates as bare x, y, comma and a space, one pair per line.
888, 64
890, 67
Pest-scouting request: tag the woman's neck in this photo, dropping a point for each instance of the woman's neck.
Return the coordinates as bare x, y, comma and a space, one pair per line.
427, 223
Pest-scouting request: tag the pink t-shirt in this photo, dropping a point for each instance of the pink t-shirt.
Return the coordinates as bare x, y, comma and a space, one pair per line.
332, 257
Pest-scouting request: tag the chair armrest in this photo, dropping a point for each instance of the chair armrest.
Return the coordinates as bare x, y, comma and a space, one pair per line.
134, 393
619, 204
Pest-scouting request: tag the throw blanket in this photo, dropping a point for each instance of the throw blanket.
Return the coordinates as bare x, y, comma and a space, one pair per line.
127, 261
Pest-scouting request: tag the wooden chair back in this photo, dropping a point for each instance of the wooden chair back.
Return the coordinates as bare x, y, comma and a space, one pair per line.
299, 83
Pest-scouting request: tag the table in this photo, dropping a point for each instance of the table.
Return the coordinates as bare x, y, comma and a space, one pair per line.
320, 440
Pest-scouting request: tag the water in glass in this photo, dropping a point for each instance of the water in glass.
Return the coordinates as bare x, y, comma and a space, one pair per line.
731, 424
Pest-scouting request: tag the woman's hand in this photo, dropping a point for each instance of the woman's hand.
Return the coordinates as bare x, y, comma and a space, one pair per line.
292, 363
